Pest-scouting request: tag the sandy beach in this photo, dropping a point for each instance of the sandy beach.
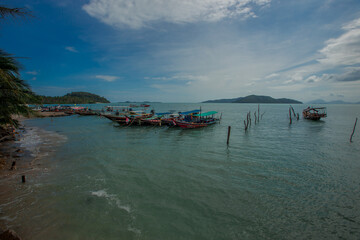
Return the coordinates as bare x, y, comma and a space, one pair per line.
24, 153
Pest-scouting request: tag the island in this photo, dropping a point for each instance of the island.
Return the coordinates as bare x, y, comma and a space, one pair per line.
73, 98
255, 99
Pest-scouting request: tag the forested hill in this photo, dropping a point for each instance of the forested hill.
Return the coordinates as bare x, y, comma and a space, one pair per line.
74, 98
255, 99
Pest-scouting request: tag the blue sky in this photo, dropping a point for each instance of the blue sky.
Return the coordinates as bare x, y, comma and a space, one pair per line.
189, 50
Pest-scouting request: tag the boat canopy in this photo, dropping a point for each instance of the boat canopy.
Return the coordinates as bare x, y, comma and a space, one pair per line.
164, 113
190, 112
117, 106
205, 114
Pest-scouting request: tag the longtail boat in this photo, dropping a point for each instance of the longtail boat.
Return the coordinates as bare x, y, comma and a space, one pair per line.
86, 113
198, 120
314, 113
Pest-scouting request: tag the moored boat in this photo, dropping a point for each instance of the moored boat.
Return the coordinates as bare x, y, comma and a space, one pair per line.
198, 120
315, 114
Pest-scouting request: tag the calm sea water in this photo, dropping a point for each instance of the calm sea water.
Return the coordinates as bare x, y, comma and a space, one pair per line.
275, 181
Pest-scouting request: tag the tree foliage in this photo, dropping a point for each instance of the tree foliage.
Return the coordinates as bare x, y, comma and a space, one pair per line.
13, 12
74, 98
14, 92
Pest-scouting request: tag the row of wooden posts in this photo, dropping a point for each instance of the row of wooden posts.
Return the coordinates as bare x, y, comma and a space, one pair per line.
247, 122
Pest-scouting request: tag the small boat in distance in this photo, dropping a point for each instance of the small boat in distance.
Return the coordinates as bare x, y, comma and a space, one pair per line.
315, 114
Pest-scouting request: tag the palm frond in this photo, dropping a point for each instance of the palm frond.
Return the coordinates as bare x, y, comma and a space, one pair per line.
13, 12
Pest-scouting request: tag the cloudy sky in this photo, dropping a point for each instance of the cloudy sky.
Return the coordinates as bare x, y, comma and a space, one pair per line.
188, 50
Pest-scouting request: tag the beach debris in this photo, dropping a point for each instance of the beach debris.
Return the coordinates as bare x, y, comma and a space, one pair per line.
9, 235
352, 134
13, 166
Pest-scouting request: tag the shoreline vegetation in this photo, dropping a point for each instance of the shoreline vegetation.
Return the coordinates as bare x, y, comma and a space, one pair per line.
71, 98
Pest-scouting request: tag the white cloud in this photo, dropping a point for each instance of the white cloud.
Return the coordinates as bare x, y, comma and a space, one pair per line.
107, 78
273, 75
139, 13
180, 77
344, 50
336, 69
71, 49
32, 73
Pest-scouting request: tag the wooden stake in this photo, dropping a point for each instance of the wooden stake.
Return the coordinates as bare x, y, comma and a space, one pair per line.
290, 115
262, 115
228, 136
23, 179
258, 112
250, 117
353, 130
293, 110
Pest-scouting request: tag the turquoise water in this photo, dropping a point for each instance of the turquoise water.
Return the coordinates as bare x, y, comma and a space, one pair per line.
275, 181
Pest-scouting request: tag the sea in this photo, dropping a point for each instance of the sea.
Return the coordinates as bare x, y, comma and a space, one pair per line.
91, 178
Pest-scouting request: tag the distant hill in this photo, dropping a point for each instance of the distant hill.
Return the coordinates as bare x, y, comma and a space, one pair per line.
255, 99
320, 101
74, 98
317, 101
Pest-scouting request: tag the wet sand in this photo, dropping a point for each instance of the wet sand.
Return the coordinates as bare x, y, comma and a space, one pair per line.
32, 151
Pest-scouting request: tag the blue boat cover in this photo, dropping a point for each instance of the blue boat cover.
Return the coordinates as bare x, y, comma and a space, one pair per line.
205, 114
189, 112
165, 113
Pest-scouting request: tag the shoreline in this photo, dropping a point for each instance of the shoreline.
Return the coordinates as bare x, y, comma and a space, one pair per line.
9, 149
31, 149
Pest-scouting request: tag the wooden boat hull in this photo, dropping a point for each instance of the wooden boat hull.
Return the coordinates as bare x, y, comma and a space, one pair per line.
190, 125
86, 113
314, 114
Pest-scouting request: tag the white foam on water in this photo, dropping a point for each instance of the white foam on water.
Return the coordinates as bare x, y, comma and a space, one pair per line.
134, 230
112, 199
33, 139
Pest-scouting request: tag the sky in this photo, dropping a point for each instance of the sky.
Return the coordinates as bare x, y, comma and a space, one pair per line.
188, 50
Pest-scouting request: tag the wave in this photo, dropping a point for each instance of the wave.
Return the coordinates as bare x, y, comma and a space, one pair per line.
34, 139
112, 199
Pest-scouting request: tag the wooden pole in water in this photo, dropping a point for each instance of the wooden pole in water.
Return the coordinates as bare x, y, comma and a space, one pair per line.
293, 110
228, 136
353, 130
23, 179
250, 117
255, 117
290, 115
258, 113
